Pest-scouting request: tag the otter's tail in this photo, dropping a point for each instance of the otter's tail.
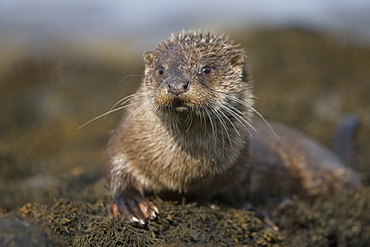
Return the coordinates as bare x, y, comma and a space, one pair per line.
345, 138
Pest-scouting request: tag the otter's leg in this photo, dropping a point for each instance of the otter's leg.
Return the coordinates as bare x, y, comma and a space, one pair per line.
127, 195
132, 205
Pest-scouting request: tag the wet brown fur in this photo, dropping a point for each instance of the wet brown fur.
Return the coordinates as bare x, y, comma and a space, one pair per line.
200, 143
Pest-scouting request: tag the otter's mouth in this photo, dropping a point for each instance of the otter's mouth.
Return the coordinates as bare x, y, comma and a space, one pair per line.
181, 109
173, 104
179, 105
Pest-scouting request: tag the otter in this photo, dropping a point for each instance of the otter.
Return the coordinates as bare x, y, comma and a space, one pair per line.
189, 131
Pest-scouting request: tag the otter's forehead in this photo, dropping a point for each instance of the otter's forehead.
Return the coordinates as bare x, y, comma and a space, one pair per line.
195, 45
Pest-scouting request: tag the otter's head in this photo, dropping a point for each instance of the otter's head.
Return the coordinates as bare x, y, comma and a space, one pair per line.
192, 70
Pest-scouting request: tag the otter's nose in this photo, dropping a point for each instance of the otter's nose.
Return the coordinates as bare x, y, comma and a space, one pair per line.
177, 87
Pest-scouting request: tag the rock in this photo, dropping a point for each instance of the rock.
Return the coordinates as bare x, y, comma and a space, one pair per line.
16, 232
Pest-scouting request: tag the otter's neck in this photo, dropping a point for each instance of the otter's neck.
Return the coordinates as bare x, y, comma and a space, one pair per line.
210, 134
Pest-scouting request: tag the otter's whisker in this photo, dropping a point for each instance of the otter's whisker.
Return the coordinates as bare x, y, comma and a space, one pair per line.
240, 115
188, 122
228, 119
254, 110
222, 122
214, 131
176, 123
144, 115
140, 108
124, 100
129, 97
105, 114
113, 109
239, 118
128, 76
203, 121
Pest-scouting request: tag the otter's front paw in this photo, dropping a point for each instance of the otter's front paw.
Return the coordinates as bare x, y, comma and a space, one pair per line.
135, 209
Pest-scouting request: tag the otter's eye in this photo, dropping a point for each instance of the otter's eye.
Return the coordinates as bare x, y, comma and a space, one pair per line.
206, 70
161, 70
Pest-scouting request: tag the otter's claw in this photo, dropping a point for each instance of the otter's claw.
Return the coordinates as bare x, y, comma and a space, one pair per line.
135, 209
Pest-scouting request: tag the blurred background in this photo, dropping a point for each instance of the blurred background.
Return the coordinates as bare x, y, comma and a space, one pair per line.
63, 63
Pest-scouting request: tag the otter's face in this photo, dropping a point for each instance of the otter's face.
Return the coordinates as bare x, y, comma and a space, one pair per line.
191, 75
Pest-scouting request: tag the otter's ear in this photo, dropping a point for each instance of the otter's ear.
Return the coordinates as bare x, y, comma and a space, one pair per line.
237, 58
148, 58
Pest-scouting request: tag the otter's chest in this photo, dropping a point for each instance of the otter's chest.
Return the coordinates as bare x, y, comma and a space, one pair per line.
178, 161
